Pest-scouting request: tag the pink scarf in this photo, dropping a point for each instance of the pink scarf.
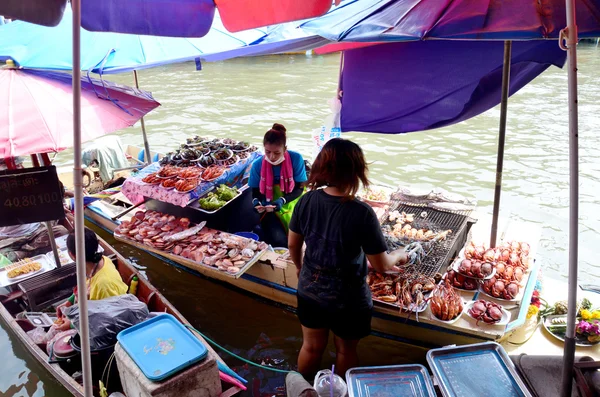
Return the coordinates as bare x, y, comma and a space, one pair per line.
286, 179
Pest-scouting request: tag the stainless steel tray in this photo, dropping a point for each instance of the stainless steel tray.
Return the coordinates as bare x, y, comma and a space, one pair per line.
481, 369
390, 381
195, 204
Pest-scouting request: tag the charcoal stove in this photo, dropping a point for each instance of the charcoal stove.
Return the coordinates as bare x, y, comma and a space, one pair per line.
439, 253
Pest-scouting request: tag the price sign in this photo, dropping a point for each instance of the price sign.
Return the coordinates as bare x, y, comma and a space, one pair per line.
30, 195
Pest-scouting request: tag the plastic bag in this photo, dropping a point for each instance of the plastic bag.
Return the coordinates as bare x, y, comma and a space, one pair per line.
296, 385
331, 127
325, 381
108, 317
37, 335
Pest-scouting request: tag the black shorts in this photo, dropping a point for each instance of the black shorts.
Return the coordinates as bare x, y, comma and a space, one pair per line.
348, 324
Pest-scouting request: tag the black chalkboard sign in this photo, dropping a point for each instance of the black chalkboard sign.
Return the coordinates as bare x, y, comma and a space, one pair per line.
30, 195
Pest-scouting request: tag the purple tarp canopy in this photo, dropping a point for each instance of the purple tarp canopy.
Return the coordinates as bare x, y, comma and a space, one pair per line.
405, 20
415, 86
192, 18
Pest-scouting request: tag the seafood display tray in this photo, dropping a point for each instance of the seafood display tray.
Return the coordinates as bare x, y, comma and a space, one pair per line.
188, 262
392, 380
440, 254
495, 374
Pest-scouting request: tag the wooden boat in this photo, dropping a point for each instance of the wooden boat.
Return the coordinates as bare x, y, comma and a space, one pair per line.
12, 305
277, 282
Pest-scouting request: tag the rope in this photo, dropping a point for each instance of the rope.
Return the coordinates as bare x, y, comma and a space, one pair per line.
283, 371
528, 338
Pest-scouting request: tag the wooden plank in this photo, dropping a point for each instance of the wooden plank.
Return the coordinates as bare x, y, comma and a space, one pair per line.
231, 392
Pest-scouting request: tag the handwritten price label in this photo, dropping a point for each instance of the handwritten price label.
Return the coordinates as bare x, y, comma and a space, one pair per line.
32, 200
30, 195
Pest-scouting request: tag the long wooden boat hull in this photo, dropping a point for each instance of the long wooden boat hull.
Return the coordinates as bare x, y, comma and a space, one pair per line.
146, 292
279, 286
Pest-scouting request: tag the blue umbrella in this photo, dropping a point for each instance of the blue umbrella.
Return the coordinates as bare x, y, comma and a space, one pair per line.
34, 46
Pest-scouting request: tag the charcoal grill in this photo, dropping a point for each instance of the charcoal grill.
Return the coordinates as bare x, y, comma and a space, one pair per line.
440, 253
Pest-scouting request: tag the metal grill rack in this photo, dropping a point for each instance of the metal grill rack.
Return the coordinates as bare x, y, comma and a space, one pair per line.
439, 253
398, 198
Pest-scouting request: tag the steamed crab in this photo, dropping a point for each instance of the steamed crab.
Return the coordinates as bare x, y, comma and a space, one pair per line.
489, 312
502, 289
475, 268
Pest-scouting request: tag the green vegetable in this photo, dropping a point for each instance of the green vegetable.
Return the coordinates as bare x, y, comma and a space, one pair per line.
211, 202
585, 304
558, 331
226, 193
215, 200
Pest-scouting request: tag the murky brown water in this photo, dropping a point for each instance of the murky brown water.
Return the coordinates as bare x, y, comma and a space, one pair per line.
241, 98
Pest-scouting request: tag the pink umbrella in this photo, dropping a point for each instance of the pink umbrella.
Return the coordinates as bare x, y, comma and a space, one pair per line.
36, 110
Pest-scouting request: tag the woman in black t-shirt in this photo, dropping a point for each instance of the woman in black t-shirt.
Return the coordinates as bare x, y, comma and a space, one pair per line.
341, 233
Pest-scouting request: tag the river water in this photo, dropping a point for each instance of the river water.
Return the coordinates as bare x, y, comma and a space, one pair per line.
242, 98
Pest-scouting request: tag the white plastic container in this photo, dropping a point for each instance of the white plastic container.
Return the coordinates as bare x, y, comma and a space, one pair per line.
325, 381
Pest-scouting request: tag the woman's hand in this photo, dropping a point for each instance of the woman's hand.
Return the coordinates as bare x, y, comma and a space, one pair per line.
258, 206
385, 262
59, 313
64, 326
401, 257
280, 202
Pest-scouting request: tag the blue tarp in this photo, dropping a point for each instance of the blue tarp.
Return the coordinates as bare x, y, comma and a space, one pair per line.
41, 47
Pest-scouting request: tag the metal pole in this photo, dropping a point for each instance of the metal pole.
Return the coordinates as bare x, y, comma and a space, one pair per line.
79, 226
146, 144
53, 244
569, 352
501, 139
42, 163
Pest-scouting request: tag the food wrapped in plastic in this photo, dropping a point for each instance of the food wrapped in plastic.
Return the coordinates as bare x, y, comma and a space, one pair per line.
108, 317
38, 335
